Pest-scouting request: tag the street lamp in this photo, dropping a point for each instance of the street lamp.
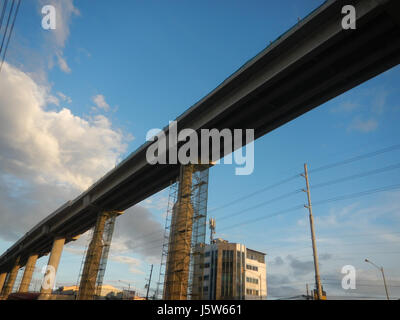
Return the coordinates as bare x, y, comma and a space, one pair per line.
383, 276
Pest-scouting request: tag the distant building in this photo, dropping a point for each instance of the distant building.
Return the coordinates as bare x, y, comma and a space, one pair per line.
73, 290
232, 271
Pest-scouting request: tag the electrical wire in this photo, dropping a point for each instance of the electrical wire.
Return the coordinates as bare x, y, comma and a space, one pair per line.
356, 176
9, 34
6, 29
255, 193
2, 13
357, 158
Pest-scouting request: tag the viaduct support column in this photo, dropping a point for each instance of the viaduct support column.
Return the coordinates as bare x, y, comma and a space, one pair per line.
87, 287
3, 276
11, 279
52, 266
27, 277
180, 239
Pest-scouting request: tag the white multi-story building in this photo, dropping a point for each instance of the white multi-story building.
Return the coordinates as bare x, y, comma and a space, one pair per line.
232, 271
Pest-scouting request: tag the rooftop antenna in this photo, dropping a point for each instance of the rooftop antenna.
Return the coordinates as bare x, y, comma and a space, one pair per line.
212, 229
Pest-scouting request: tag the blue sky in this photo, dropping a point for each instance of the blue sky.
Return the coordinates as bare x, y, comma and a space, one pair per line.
129, 67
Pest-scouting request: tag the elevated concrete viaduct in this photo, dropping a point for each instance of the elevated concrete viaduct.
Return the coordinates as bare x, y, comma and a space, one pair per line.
313, 62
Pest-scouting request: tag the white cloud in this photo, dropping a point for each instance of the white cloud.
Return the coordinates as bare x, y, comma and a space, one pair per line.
47, 156
100, 102
52, 146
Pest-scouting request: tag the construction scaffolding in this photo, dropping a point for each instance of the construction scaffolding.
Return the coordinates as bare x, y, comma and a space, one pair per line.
89, 239
199, 202
172, 196
107, 238
181, 268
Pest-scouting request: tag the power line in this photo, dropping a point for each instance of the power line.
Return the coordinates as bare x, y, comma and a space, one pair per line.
344, 197
356, 176
325, 167
11, 30
255, 193
358, 194
286, 195
380, 170
357, 158
2, 13
265, 217
6, 29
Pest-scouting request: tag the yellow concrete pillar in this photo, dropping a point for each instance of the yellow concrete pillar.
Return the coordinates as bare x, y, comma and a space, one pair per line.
27, 277
87, 287
11, 279
3, 276
180, 239
52, 266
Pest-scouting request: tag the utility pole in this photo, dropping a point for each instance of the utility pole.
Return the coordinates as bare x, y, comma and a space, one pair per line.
383, 276
307, 291
314, 246
148, 285
212, 229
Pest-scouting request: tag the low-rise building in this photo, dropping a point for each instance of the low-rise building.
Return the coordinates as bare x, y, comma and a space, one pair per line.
232, 271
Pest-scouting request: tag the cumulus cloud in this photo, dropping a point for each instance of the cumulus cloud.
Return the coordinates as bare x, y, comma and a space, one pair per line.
46, 156
138, 232
50, 156
48, 145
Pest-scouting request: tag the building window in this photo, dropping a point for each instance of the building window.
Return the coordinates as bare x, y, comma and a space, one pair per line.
206, 265
252, 280
206, 277
250, 267
227, 274
252, 292
207, 254
255, 256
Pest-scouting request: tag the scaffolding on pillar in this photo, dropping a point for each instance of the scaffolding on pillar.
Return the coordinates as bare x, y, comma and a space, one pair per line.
172, 197
199, 202
107, 237
89, 239
93, 269
183, 250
